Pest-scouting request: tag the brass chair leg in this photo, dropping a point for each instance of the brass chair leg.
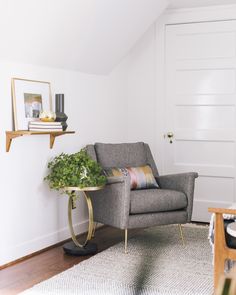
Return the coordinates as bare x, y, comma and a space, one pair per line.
181, 234
126, 240
94, 229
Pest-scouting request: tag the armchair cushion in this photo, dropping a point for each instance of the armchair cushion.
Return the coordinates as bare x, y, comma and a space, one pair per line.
140, 177
156, 200
121, 155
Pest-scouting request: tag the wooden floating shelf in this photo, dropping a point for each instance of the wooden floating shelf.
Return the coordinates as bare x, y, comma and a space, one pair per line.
53, 134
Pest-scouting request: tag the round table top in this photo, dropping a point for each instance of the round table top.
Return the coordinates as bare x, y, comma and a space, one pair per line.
83, 189
231, 229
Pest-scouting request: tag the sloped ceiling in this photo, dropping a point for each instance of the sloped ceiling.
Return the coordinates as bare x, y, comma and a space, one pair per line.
90, 36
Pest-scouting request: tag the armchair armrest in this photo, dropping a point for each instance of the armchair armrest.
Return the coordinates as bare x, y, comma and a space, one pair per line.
111, 205
182, 182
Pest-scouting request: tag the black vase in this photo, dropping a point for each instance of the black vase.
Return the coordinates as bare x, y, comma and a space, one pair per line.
60, 115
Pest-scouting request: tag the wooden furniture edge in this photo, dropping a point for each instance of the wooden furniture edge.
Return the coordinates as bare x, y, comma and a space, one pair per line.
221, 251
227, 282
222, 210
53, 134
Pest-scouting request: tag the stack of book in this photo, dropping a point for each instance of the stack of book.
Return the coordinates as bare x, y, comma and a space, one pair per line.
40, 126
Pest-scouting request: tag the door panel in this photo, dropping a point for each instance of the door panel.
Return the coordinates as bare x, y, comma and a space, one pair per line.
201, 99
213, 45
204, 152
209, 135
204, 170
204, 117
204, 99
218, 188
205, 81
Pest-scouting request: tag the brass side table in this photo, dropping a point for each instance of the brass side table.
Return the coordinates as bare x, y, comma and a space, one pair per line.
75, 247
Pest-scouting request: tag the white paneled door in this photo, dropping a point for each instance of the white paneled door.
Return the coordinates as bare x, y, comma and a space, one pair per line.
200, 111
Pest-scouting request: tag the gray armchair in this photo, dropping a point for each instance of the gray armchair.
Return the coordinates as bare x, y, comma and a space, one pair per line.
118, 206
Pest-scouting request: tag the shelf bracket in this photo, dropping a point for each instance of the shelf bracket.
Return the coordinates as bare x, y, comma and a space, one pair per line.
52, 138
9, 137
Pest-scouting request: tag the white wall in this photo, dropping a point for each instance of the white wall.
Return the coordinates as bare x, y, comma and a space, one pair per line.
119, 107
115, 108
31, 216
145, 109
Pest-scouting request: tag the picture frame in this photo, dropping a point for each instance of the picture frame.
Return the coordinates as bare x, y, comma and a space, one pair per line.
29, 98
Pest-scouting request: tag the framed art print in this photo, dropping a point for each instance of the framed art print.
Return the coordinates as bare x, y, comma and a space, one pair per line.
30, 97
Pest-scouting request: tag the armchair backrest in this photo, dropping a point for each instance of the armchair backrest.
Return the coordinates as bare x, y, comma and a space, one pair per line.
122, 155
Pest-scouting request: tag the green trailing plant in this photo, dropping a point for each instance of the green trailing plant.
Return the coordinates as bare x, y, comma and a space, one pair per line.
77, 170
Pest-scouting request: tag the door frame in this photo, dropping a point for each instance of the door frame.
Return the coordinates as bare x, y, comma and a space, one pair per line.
174, 17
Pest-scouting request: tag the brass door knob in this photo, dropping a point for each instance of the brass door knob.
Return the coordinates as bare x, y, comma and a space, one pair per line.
170, 135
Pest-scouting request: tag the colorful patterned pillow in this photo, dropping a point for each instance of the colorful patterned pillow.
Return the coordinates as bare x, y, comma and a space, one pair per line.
140, 177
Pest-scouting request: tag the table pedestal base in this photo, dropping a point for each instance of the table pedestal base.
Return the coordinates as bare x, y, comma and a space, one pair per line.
71, 249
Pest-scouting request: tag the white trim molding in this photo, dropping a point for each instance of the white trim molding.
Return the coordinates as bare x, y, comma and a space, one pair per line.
18, 251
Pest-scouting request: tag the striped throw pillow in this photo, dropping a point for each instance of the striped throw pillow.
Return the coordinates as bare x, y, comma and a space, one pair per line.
140, 177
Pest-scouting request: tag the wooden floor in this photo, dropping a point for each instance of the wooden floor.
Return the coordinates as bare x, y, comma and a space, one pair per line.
25, 274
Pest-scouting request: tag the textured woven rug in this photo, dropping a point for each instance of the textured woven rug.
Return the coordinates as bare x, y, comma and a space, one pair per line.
157, 263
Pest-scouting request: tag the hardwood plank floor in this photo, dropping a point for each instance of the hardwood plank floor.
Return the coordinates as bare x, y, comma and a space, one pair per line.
25, 274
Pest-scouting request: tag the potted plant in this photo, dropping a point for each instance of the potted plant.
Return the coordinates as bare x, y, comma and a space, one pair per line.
75, 170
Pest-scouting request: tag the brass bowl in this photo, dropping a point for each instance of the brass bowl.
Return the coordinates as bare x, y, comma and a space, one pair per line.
47, 119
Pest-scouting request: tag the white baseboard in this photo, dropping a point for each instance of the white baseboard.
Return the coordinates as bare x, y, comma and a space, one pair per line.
29, 247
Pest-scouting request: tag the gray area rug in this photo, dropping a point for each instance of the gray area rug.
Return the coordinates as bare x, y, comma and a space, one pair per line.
157, 263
